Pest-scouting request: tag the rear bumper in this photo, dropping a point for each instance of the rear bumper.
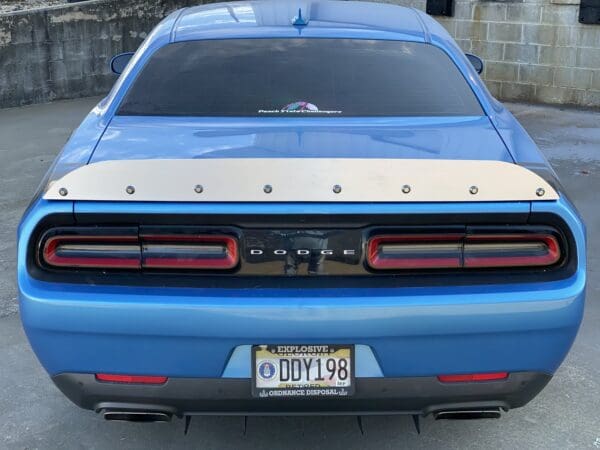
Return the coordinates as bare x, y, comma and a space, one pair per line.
194, 396
186, 335
414, 333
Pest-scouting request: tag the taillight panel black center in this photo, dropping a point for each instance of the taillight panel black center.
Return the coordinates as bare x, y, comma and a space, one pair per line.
299, 252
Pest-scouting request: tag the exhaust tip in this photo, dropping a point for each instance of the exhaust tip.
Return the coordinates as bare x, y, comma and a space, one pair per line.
468, 414
136, 416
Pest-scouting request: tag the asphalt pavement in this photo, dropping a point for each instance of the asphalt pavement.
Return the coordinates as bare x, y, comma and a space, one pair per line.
34, 414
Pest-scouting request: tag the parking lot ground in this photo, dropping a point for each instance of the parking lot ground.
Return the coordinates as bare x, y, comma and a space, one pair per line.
34, 414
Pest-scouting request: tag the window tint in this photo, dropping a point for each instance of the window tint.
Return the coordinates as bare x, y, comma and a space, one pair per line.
300, 78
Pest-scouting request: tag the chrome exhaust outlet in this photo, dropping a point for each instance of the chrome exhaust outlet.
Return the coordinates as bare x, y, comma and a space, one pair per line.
136, 416
468, 414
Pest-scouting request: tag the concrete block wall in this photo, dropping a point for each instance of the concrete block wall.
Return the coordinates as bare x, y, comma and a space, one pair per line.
534, 50
62, 52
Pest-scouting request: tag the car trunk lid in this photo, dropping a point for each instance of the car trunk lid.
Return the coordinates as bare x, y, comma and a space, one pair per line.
448, 138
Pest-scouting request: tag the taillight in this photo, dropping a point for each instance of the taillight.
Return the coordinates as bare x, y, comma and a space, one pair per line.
189, 252
122, 248
473, 377
470, 251
415, 251
115, 252
518, 250
130, 379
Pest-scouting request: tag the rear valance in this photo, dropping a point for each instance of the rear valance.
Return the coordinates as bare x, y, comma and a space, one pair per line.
301, 180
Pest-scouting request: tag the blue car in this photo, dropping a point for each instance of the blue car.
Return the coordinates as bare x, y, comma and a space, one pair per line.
300, 208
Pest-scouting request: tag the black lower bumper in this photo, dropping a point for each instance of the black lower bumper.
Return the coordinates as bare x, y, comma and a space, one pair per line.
221, 396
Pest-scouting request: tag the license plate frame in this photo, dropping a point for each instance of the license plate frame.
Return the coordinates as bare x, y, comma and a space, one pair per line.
336, 386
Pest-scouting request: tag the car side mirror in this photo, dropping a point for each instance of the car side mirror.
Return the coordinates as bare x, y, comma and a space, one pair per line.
119, 62
476, 62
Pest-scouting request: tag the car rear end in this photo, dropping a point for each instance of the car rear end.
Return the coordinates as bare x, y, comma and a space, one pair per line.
445, 307
386, 254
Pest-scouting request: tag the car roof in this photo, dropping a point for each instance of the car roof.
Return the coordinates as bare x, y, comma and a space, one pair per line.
324, 18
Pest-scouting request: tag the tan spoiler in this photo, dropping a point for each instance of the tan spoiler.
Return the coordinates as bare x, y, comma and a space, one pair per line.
301, 180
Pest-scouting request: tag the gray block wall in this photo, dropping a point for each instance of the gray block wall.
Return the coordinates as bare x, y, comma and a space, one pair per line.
534, 50
63, 52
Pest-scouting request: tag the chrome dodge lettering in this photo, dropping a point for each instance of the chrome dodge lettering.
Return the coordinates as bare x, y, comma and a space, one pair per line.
302, 252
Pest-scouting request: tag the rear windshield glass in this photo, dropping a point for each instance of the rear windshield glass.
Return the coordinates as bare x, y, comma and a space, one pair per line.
299, 77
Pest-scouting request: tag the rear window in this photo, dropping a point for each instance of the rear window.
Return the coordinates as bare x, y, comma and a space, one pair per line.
300, 78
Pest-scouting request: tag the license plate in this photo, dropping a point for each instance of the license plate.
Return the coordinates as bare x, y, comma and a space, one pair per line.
302, 370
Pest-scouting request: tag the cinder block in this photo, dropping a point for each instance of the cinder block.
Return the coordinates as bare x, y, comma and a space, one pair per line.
501, 71
560, 14
491, 51
588, 57
524, 13
55, 51
521, 53
466, 29
571, 77
589, 36
463, 10
558, 56
582, 78
505, 32
567, 36
539, 34
518, 92
491, 12
74, 68
57, 71
536, 74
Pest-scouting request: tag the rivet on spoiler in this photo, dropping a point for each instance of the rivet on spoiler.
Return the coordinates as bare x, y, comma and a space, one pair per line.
540, 192
130, 190
473, 190
406, 189
63, 192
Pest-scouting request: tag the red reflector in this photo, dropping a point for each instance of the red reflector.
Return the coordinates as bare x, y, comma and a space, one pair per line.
189, 252
102, 252
473, 377
138, 379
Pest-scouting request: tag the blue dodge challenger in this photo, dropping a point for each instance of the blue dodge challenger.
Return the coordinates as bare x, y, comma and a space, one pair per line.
303, 207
